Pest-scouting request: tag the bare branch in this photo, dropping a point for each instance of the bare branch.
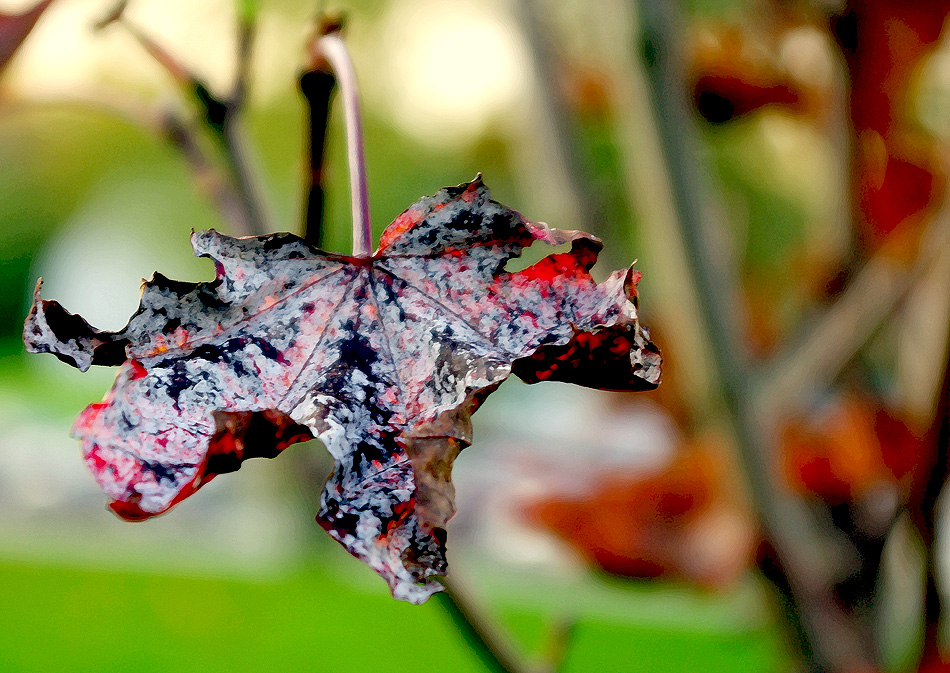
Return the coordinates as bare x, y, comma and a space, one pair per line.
559, 127
489, 641
221, 118
182, 135
830, 341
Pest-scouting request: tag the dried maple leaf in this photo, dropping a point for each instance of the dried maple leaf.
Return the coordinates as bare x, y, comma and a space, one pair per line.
383, 358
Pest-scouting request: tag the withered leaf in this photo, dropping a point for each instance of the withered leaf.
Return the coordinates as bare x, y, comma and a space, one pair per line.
382, 358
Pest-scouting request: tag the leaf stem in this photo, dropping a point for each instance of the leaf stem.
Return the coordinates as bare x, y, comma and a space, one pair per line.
333, 49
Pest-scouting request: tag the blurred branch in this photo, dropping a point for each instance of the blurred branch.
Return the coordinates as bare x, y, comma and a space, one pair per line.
490, 641
233, 138
829, 639
556, 647
675, 308
562, 128
831, 340
247, 31
181, 135
221, 119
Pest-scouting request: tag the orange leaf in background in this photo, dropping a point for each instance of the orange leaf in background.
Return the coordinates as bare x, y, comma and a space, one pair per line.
906, 453
841, 454
837, 458
897, 173
682, 522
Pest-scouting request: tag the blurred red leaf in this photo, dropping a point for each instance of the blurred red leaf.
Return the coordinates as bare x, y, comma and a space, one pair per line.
383, 358
897, 171
843, 452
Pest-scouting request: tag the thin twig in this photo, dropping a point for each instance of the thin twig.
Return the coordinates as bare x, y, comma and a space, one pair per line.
233, 138
831, 340
221, 118
647, 190
557, 646
567, 155
490, 641
332, 48
235, 149
181, 135
247, 31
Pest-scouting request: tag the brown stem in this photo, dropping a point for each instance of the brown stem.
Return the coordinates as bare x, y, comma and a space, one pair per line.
317, 85
490, 641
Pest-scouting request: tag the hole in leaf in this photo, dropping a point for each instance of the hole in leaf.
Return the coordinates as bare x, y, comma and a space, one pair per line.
534, 254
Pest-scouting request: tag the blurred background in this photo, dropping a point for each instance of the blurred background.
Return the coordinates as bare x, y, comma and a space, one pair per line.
779, 170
